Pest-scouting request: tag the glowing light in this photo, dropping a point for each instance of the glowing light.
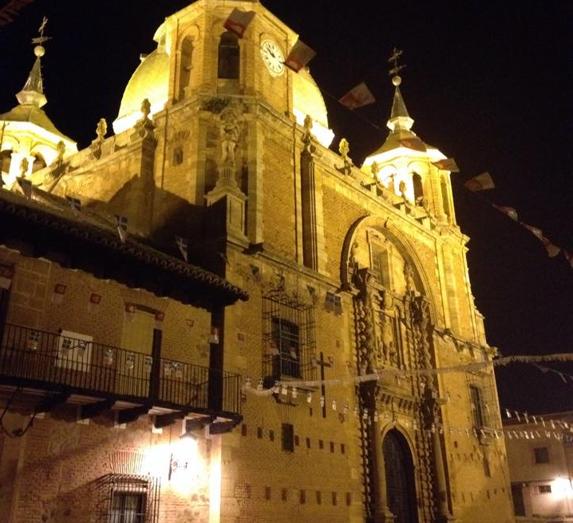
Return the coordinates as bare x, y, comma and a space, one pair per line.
561, 488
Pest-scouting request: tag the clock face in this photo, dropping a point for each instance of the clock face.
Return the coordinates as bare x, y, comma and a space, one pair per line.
273, 57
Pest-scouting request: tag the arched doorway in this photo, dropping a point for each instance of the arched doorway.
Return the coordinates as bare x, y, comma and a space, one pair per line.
400, 486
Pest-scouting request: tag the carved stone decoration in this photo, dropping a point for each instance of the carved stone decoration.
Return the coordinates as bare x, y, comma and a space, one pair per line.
344, 149
144, 128
308, 140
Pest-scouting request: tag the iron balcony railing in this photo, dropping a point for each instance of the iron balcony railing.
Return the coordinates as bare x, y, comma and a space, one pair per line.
55, 361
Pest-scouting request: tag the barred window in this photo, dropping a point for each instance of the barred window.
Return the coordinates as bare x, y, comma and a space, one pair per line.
127, 498
288, 339
229, 56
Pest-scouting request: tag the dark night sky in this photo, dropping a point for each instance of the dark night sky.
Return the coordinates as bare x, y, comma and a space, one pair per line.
489, 83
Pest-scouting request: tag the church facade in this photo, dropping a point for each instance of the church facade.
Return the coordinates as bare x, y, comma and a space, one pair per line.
358, 299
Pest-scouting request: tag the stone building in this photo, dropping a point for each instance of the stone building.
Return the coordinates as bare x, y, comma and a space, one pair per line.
358, 294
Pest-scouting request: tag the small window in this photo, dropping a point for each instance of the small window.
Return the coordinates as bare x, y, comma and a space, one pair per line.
334, 498
296, 441
332, 446
272, 435
5, 161
307, 443
418, 190
284, 494
229, 56
243, 430
288, 437
128, 506
477, 406
545, 489
259, 432
318, 497
333, 303
342, 448
486, 467
348, 499
268, 493
541, 455
302, 497
320, 444
177, 156
286, 343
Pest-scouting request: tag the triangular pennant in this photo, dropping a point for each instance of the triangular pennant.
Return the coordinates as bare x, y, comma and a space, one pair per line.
510, 212
238, 21
299, 56
447, 164
481, 182
413, 143
358, 96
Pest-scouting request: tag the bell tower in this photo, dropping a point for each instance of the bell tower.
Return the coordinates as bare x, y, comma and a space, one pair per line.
409, 167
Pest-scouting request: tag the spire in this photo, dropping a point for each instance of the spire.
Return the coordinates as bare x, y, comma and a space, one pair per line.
33, 91
399, 117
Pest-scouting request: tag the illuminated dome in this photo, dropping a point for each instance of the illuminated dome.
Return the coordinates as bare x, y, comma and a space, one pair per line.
150, 80
308, 100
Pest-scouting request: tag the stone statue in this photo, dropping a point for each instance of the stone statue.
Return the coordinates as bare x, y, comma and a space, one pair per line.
375, 169
229, 135
145, 109
61, 150
344, 149
101, 130
307, 136
24, 166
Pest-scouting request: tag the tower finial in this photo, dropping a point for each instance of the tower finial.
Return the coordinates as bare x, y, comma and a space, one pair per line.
33, 91
399, 117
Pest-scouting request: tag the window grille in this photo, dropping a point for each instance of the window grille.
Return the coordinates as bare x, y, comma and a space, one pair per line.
483, 403
288, 339
127, 498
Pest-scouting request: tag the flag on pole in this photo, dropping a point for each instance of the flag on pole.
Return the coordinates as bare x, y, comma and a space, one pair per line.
299, 56
447, 164
358, 96
121, 227
26, 186
538, 233
508, 211
183, 245
238, 21
481, 182
413, 143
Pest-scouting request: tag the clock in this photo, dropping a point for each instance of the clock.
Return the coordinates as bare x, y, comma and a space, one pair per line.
272, 57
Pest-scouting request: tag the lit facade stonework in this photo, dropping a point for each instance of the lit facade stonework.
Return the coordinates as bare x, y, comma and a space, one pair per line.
349, 271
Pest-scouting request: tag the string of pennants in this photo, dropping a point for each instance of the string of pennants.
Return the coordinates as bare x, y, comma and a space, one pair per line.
484, 182
530, 426
403, 373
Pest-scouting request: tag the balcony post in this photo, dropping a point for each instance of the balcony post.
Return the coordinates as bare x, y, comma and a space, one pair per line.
155, 375
216, 350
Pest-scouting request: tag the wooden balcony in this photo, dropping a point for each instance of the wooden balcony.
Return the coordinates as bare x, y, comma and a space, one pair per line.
56, 367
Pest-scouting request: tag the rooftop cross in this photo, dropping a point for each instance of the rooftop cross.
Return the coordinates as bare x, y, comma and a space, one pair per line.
394, 58
39, 40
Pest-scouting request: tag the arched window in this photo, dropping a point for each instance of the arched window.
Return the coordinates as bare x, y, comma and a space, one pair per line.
186, 63
418, 189
5, 161
229, 59
39, 162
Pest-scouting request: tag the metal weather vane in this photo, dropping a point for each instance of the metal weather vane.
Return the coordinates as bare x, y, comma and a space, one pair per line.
39, 40
393, 60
